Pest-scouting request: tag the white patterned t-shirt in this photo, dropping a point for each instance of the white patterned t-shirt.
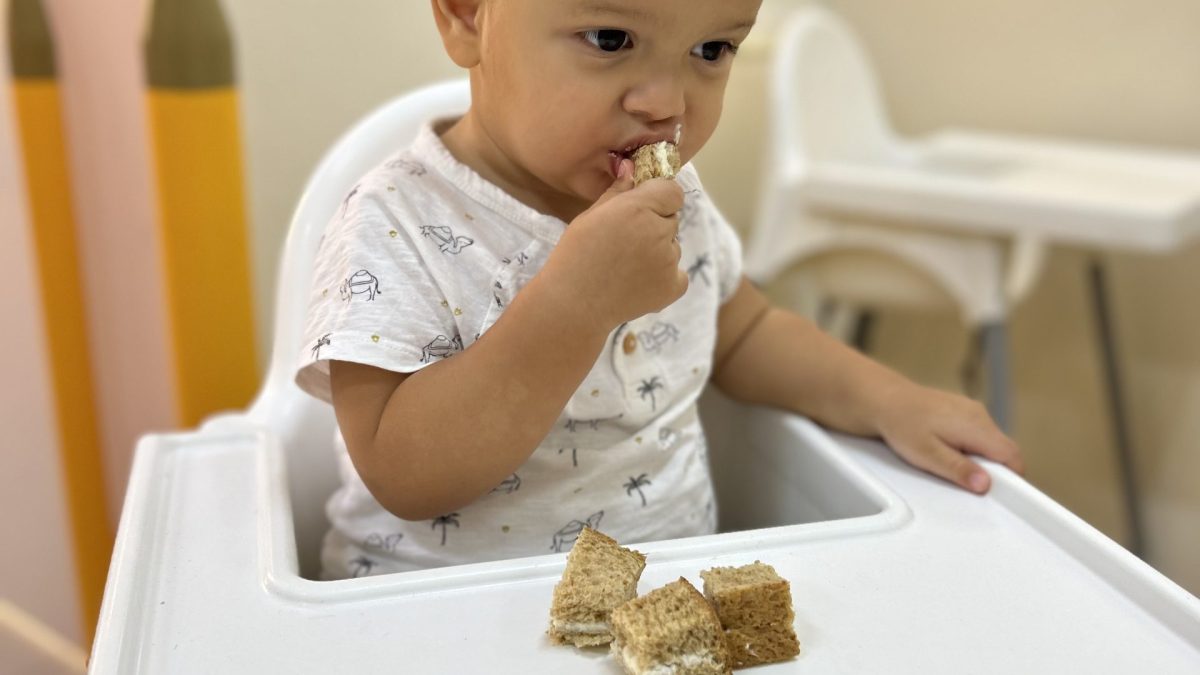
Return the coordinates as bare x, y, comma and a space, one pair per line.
422, 258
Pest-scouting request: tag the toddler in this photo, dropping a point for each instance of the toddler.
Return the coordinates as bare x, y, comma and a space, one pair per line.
513, 336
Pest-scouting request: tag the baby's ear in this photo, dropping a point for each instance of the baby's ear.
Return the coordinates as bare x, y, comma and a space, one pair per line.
458, 22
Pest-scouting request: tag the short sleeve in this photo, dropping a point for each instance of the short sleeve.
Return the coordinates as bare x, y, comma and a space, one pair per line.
375, 297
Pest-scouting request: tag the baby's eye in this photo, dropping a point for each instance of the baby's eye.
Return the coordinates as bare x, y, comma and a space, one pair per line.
607, 39
713, 51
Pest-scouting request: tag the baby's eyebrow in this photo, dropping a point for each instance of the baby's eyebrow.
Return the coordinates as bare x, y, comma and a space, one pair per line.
602, 7
743, 25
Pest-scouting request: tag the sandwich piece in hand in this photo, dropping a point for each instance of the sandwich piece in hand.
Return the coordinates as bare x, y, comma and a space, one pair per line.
600, 575
754, 605
657, 160
670, 630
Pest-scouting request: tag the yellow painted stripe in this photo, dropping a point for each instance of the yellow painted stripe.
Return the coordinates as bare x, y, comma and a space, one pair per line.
202, 216
39, 119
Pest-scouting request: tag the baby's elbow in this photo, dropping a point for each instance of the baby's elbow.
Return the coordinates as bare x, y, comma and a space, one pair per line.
407, 500
402, 501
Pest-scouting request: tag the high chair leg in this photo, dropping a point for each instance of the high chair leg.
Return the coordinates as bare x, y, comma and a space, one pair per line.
994, 337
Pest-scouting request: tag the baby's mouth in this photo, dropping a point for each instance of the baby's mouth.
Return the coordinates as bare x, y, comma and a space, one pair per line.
615, 157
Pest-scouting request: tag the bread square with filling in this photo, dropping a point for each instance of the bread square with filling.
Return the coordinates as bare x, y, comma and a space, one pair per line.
754, 605
600, 575
669, 631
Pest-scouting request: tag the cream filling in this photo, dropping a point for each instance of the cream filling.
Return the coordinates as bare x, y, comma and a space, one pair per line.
684, 664
661, 154
578, 627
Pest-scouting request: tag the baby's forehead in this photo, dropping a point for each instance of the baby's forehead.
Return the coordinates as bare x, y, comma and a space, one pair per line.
665, 12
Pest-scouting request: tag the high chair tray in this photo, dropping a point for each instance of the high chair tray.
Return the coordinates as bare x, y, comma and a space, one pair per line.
1086, 194
902, 574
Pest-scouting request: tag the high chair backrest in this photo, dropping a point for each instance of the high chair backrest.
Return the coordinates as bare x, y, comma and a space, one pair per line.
825, 102
304, 425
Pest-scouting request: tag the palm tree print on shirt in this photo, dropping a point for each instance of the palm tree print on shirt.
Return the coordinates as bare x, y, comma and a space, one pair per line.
361, 566
697, 268
637, 484
648, 387
442, 522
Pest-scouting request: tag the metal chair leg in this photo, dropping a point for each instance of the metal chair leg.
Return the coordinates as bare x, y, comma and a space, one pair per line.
1128, 476
995, 349
864, 330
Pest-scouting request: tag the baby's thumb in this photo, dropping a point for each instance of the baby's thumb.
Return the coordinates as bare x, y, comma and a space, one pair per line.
623, 183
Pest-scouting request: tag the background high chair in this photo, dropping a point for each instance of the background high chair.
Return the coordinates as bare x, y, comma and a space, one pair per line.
825, 107
957, 219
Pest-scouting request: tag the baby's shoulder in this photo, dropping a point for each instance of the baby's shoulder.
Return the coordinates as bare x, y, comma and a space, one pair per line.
402, 188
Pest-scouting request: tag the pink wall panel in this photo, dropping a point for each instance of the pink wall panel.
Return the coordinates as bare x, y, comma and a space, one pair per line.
99, 57
36, 568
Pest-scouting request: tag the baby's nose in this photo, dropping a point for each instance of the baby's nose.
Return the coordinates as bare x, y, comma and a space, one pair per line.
658, 100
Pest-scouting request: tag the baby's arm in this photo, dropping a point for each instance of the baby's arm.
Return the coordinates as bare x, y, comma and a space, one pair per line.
430, 442
775, 357
438, 439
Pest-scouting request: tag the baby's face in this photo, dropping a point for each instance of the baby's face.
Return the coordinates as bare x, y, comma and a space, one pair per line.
565, 87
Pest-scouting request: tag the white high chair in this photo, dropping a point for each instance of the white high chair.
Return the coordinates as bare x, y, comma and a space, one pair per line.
960, 218
214, 565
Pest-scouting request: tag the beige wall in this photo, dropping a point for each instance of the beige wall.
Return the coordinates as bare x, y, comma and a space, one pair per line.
308, 69
1109, 69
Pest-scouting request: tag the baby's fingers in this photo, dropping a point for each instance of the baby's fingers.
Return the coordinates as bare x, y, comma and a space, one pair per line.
945, 462
663, 196
982, 437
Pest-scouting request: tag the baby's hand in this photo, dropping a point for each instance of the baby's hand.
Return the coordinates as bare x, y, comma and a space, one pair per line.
621, 256
935, 430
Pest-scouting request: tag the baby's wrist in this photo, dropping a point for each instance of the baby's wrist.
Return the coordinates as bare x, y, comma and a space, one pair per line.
561, 299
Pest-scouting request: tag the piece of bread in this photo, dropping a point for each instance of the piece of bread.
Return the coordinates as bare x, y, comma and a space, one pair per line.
600, 575
669, 630
754, 605
657, 160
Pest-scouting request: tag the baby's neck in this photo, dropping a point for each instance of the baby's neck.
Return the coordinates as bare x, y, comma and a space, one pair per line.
470, 144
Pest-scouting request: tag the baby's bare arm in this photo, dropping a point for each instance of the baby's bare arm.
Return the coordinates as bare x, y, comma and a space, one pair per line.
428, 443
775, 357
